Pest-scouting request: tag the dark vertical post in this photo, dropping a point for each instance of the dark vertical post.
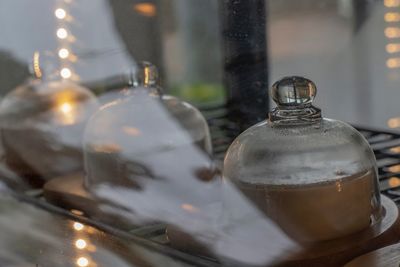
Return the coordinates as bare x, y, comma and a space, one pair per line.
244, 28
361, 10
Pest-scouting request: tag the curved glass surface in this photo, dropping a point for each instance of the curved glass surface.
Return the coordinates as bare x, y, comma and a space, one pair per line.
153, 173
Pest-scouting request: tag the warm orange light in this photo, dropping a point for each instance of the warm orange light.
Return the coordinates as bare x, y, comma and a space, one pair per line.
189, 208
82, 262
78, 226
60, 13
392, 32
77, 212
392, 3
392, 17
394, 168
65, 73
395, 149
338, 186
107, 148
146, 9
393, 122
393, 63
394, 182
393, 48
80, 244
131, 130
62, 33
36, 65
66, 108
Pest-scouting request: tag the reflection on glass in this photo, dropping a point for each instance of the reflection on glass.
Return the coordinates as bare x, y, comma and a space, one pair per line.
189, 208
394, 122
77, 212
146, 9
395, 149
82, 262
394, 168
78, 226
36, 65
394, 182
80, 244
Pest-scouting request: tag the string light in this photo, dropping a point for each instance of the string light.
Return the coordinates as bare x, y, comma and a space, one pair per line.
65, 73
393, 122
78, 226
393, 48
63, 53
80, 244
146, 9
392, 3
392, 17
60, 13
62, 33
82, 262
36, 65
393, 63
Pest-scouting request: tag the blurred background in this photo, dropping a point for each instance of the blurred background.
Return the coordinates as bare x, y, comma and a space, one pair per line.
350, 48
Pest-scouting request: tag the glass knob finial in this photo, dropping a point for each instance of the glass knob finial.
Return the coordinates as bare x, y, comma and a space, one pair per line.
145, 74
293, 92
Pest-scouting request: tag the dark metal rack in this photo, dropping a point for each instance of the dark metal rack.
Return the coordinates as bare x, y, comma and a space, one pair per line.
385, 144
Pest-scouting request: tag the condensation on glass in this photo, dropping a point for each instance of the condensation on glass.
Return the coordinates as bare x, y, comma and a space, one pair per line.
315, 177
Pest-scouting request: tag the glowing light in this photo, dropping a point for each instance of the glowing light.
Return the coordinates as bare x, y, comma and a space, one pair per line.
82, 262
339, 186
189, 208
392, 17
66, 108
394, 168
392, 32
107, 148
392, 63
131, 130
393, 48
77, 212
60, 13
392, 3
63, 53
62, 33
146, 9
65, 73
80, 244
78, 226
394, 182
395, 149
36, 65
393, 122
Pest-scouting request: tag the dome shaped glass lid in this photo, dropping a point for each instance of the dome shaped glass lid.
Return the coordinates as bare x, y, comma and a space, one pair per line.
141, 130
144, 79
42, 123
297, 166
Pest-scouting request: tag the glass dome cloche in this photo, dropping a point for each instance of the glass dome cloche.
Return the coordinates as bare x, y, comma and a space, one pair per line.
141, 131
42, 123
144, 76
315, 177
